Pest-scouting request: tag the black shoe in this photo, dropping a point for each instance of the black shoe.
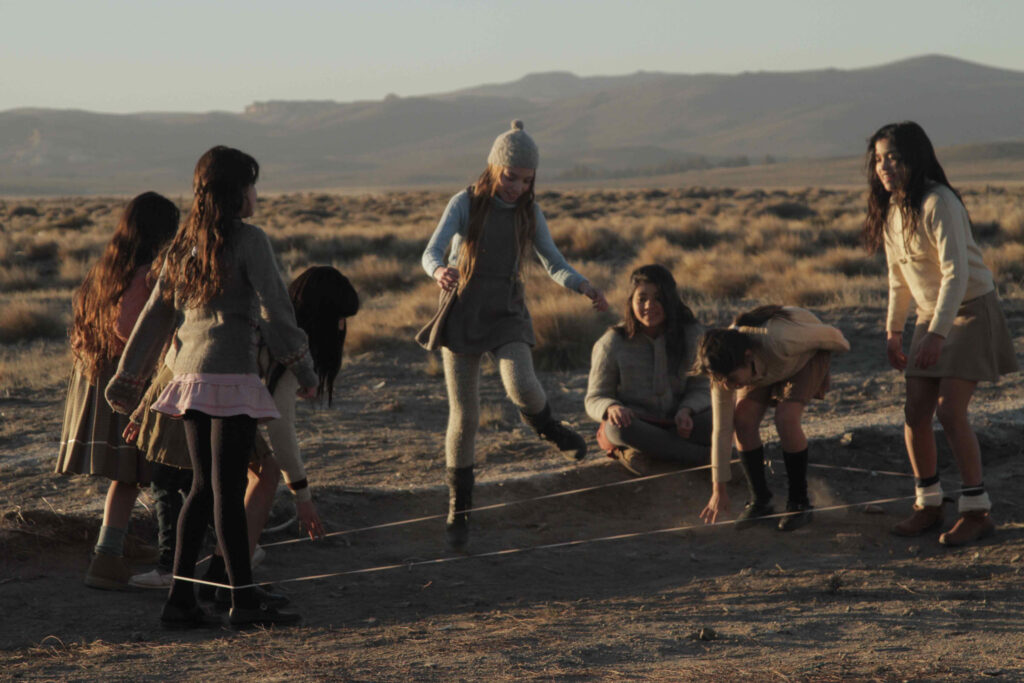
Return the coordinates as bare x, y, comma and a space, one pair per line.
176, 617
456, 532
264, 615
800, 515
565, 438
752, 513
222, 597
206, 592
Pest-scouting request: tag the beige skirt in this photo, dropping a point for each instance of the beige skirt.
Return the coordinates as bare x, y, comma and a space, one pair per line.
979, 346
162, 437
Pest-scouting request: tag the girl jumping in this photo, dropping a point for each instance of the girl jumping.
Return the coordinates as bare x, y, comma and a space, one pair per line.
220, 276
960, 336
772, 355
491, 226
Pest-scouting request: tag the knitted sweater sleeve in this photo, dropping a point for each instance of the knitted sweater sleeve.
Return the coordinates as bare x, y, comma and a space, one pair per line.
283, 439
722, 428
604, 378
900, 296
696, 392
286, 341
454, 219
142, 351
552, 260
947, 228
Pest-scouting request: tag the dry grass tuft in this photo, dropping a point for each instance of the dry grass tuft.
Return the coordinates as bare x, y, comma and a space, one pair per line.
22, 321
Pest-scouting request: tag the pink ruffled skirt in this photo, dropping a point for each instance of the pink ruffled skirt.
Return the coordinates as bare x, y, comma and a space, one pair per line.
220, 395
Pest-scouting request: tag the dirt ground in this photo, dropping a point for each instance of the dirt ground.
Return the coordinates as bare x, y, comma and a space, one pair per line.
669, 599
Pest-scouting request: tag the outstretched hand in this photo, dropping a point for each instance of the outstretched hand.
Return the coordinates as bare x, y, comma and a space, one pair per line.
309, 520
718, 505
596, 297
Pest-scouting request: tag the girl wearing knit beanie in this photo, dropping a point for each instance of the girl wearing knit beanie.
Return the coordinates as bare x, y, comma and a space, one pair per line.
491, 226
960, 336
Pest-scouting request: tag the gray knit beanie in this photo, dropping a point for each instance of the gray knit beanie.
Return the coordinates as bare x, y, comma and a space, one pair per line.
514, 148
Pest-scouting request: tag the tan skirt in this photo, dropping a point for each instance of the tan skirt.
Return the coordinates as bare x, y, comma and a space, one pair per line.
978, 348
162, 437
91, 440
810, 381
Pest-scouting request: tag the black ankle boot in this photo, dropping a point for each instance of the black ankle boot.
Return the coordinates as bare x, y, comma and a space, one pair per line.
567, 440
759, 503
460, 501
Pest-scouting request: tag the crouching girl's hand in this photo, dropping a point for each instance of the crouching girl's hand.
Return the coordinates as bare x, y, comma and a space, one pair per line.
306, 392
595, 295
718, 505
309, 520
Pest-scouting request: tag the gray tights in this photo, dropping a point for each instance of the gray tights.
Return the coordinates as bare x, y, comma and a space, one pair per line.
664, 444
462, 378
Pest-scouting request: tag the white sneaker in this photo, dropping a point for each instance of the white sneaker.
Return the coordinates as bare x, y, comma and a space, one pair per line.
258, 556
154, 578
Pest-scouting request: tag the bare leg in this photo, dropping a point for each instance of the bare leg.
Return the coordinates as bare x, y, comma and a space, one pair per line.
954, 398
922, 400
120, 500
747, 422
787, 421
259, 498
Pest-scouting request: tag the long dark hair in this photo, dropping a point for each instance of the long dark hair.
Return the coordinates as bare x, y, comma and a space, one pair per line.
147, 224
480, 194
721, 350
917, 156
195, 259
322, 296
677, 314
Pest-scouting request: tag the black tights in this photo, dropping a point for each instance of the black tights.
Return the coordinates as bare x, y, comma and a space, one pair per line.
219, 448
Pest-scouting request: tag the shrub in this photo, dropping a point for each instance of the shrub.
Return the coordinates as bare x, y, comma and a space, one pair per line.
24, 321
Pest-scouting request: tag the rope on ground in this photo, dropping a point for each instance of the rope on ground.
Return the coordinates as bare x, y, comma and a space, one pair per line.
547, 546
560, 494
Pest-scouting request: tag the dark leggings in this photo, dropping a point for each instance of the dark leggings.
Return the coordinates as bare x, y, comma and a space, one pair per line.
219, 448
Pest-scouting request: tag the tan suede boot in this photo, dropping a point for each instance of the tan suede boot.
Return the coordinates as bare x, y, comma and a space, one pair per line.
924, 519
972, 526
634, 461
109, 572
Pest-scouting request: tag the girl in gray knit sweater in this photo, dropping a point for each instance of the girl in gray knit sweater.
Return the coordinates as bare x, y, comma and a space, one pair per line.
220, 279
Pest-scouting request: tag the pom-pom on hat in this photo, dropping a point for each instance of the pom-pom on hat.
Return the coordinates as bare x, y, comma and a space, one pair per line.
514, 148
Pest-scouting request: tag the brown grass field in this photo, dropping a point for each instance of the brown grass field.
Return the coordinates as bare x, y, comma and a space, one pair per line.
669, 600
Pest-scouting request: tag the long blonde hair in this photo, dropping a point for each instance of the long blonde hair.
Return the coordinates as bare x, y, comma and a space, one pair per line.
480, 194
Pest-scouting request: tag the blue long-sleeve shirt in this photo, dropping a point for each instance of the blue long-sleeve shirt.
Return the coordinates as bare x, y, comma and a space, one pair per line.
452, 228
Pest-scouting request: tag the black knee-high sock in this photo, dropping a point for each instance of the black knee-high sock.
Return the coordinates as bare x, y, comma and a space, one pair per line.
796, 470
752, 462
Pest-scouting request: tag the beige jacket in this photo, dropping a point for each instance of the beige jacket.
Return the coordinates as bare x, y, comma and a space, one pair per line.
785, 348
939, 268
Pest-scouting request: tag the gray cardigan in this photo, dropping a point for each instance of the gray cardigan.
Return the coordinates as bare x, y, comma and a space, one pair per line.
640, 374
221, 336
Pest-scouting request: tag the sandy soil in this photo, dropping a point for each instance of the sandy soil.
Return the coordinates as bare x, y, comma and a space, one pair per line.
838, 600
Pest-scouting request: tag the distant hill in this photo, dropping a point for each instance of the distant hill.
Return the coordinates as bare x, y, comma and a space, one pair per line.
642, 125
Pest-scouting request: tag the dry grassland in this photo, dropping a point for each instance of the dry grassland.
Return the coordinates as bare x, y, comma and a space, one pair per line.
727, 248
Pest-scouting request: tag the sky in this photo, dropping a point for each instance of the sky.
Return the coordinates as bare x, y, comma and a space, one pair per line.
123, 56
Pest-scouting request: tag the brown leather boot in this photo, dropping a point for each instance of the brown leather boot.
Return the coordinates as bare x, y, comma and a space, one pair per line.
973, 525
924, 519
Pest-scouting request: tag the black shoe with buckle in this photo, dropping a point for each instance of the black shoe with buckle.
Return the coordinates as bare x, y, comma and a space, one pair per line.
222, 597
262, 615
800, 515
753, 512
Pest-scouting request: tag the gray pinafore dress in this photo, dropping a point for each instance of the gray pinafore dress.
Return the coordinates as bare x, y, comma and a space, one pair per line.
490, 311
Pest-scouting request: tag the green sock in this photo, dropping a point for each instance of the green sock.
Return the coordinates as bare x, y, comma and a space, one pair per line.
110, 541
